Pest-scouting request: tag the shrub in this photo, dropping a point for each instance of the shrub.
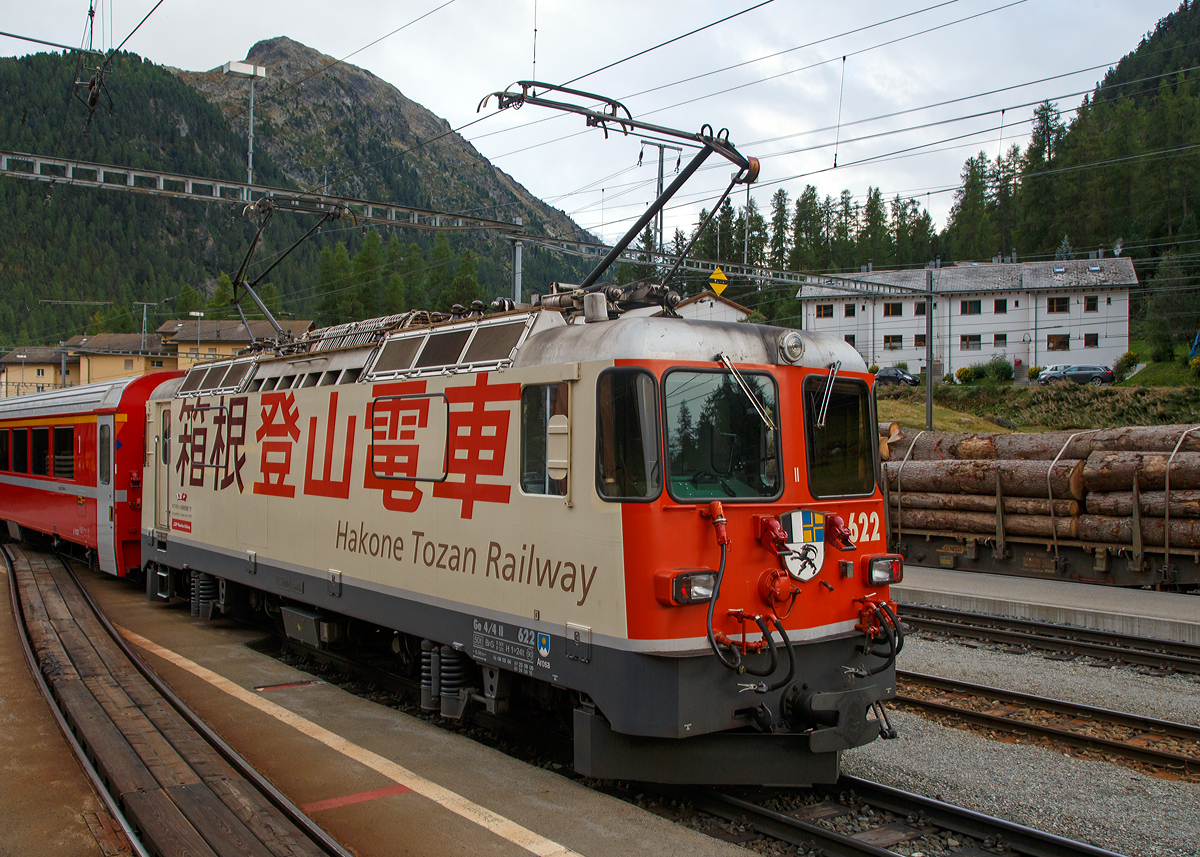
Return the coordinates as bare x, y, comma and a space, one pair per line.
902, 365
873, 368
947, 378
1195, 366
999, 368
1034, 371
1124, 365
1162, 347
965, 375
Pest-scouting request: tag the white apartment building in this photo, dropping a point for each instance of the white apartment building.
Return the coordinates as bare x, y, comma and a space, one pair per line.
1037, 313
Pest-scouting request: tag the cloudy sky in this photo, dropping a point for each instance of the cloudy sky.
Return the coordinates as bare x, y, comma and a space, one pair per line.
956, 77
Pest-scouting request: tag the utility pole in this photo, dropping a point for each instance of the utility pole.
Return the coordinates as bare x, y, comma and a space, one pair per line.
658, 220
143, 305
928, 350
517, 266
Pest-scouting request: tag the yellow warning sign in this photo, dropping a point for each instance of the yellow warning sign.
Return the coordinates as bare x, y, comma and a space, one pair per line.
717, 281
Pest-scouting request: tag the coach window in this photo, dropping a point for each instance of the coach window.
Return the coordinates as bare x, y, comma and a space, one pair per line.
20, 450
64, 452
841, 456
104, 461
40, 448
538, 405
3, 449
718, 445
628, 464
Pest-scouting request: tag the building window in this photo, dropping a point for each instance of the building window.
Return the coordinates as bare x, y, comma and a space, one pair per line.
919, 341
1108, 300
850, 339
970, 307
1091, 340
129, 364
893, 310
972, 342
1091, 303
850, 310
824, 310
156, 364
919, 308
1058, 304
1000, 340
1058, 341
1000, 306
893, 343
41, 373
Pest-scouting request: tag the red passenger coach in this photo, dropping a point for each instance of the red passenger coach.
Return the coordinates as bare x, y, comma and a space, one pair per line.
71, 467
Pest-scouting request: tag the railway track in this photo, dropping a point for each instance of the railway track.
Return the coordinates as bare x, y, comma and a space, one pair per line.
1161, 744
875, 818
805, 818
1062, 639
172, 785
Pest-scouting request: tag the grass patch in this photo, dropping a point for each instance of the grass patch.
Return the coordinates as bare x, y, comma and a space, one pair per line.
912, 415
1173, 374
1060, 406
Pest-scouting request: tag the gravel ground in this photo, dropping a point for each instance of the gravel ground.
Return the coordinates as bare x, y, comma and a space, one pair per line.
1169, 697
1110, 806
1106, 805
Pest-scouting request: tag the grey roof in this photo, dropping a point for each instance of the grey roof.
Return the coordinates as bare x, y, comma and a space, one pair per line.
119, 343
989, 277
38, 354
225, 330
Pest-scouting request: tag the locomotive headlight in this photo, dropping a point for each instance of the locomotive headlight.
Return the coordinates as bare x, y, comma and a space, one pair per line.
883, 570
693, 588
791, 346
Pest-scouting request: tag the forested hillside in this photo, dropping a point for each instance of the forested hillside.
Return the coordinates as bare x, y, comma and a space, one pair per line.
1123, 173
63, 243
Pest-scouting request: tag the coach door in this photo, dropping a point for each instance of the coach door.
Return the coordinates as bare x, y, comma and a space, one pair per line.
161, 432
105, 511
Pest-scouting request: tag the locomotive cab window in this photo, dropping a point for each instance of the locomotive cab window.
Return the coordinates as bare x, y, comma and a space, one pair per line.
628, 442
841, 456
539, 430
719, 447
20, 450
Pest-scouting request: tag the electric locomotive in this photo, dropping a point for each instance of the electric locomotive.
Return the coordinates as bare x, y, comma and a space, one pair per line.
678, 522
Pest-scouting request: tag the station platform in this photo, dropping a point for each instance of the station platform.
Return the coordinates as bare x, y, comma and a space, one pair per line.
379, 781
47, 802
1162, 615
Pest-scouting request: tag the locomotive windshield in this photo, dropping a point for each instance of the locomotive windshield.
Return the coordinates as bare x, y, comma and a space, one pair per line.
841, 459
718, 445
628, 442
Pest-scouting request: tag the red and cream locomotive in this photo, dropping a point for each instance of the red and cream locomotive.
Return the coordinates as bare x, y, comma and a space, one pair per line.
674, 525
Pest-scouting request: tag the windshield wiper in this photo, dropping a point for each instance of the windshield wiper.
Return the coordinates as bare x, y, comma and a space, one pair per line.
762, 412
833, 370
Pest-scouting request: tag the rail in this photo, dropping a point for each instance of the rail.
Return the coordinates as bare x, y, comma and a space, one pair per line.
1147, 740
1045, 636
179, 787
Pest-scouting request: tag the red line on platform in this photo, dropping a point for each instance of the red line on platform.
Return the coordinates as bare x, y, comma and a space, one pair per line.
347, 800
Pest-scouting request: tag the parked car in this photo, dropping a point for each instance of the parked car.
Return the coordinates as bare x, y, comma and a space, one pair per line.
895, 375
1095, 375
1058, 367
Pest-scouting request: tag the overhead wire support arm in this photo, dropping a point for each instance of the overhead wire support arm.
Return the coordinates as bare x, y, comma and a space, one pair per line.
614, 113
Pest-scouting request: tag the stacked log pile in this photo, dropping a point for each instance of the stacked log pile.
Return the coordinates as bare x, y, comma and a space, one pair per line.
1051, 484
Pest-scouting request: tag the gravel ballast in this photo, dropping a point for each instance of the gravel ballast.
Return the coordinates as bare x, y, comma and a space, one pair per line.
1168, 697
1107, 805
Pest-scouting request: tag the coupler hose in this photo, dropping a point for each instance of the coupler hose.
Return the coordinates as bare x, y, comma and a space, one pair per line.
736, 663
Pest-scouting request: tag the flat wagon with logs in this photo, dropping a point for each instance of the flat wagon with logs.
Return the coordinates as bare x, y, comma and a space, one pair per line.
1114, 506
